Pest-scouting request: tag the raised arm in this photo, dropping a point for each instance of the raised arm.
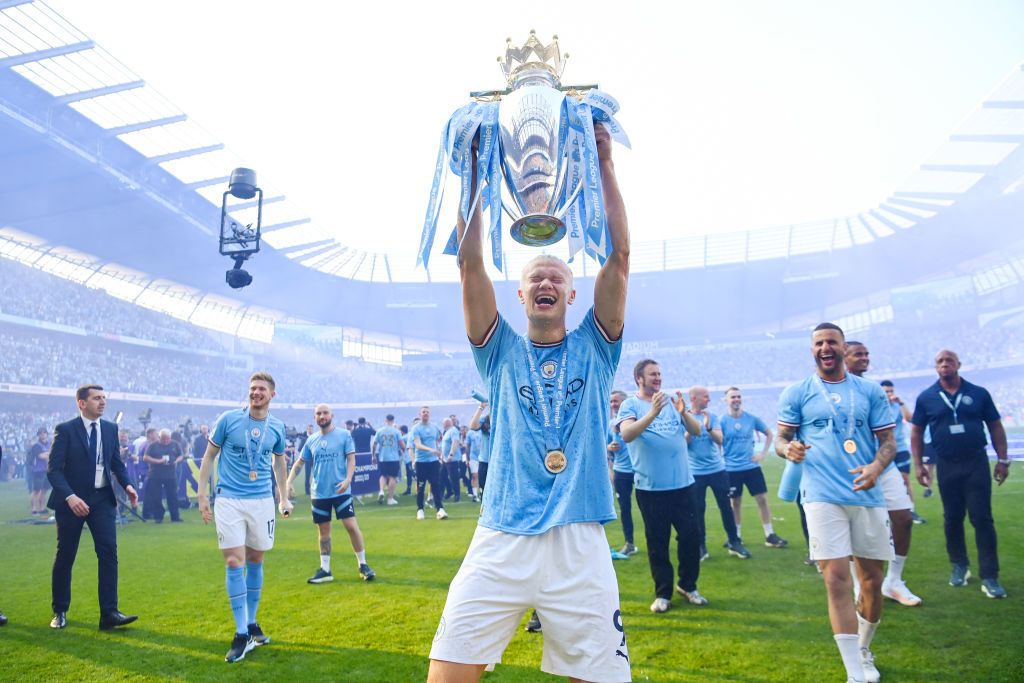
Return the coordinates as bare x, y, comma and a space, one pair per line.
611, 280
478, 304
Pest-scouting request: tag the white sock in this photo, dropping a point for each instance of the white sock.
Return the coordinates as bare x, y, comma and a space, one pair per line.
865, 632
361, 557
768, 530
853, 575
325, 562
847, 644
895, 572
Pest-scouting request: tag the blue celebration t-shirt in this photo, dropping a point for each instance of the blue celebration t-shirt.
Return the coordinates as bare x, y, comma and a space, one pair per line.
450, 442
485, 438
474, 439
902, 437
705, 456
389, 444
329, 455
430, 436
821, 412
622, 462
521, 496
230, 433
659, 453
738, 440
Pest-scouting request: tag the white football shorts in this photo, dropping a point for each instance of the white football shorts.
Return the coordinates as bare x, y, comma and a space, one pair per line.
565, 574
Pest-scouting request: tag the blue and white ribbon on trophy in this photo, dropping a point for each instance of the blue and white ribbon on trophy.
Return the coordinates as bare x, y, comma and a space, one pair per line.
585, 218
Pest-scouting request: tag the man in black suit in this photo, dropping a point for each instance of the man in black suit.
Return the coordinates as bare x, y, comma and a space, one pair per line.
83, 458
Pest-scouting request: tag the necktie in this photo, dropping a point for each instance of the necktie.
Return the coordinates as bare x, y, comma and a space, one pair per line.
94, 443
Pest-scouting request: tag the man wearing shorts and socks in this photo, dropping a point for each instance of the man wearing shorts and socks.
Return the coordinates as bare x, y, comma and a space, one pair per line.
744, 467
540, 542
332, 453
708, 470
897, 500
903, 458
653, 426
387, 452
249, 441
840, 426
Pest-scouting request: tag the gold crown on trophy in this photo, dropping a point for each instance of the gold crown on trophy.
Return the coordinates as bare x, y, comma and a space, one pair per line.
532, 55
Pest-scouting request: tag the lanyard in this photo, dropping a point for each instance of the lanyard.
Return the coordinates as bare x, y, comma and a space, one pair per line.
552, 423
851, 418
259, 446
952, 406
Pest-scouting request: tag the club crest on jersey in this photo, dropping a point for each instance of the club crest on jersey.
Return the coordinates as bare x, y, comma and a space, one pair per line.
836, 398
548, 369
255, 432
967, 400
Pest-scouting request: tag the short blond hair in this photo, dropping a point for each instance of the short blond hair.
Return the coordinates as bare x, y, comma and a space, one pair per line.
263, 376
548, 258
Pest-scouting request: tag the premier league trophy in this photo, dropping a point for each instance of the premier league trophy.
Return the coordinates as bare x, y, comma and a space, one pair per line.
538, 136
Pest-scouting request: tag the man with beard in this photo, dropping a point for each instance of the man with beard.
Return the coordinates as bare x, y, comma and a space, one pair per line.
840, 426
333, 455
664, 486
857, 359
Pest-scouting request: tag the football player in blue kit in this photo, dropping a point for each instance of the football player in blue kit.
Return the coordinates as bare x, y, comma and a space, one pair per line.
539, 542
332, 453
249, 442
841, 427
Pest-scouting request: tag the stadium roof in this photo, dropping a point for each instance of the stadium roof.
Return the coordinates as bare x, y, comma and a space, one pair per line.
45, 49
107, 172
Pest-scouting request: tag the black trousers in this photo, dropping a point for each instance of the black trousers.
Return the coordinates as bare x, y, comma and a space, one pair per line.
481, 475
662, 511
409, 476
966, 487
156, 491
101, 521
429, 472
623, 482
719, 485
453, 469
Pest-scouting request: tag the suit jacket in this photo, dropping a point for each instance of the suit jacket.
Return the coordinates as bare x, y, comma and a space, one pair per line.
72, 468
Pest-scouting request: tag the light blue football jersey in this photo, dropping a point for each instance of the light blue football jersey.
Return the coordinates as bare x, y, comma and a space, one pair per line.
266, 438
329, 456
738, 440
705, 455
622, 462
450, 442
389, 444
825, 415
430, 436
659, 453
522, 496
475, 439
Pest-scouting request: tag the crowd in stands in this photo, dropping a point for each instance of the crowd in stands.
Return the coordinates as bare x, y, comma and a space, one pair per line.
30, 293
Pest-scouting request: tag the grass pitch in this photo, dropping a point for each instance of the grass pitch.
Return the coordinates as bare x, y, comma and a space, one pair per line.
766, 622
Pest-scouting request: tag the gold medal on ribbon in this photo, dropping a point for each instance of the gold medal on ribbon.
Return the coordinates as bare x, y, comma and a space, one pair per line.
252, 475
850, 446
555, 462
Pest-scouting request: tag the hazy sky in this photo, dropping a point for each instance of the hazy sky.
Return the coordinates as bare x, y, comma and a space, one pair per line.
741, 114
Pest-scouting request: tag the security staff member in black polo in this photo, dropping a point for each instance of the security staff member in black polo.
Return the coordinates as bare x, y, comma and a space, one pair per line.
957, 413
